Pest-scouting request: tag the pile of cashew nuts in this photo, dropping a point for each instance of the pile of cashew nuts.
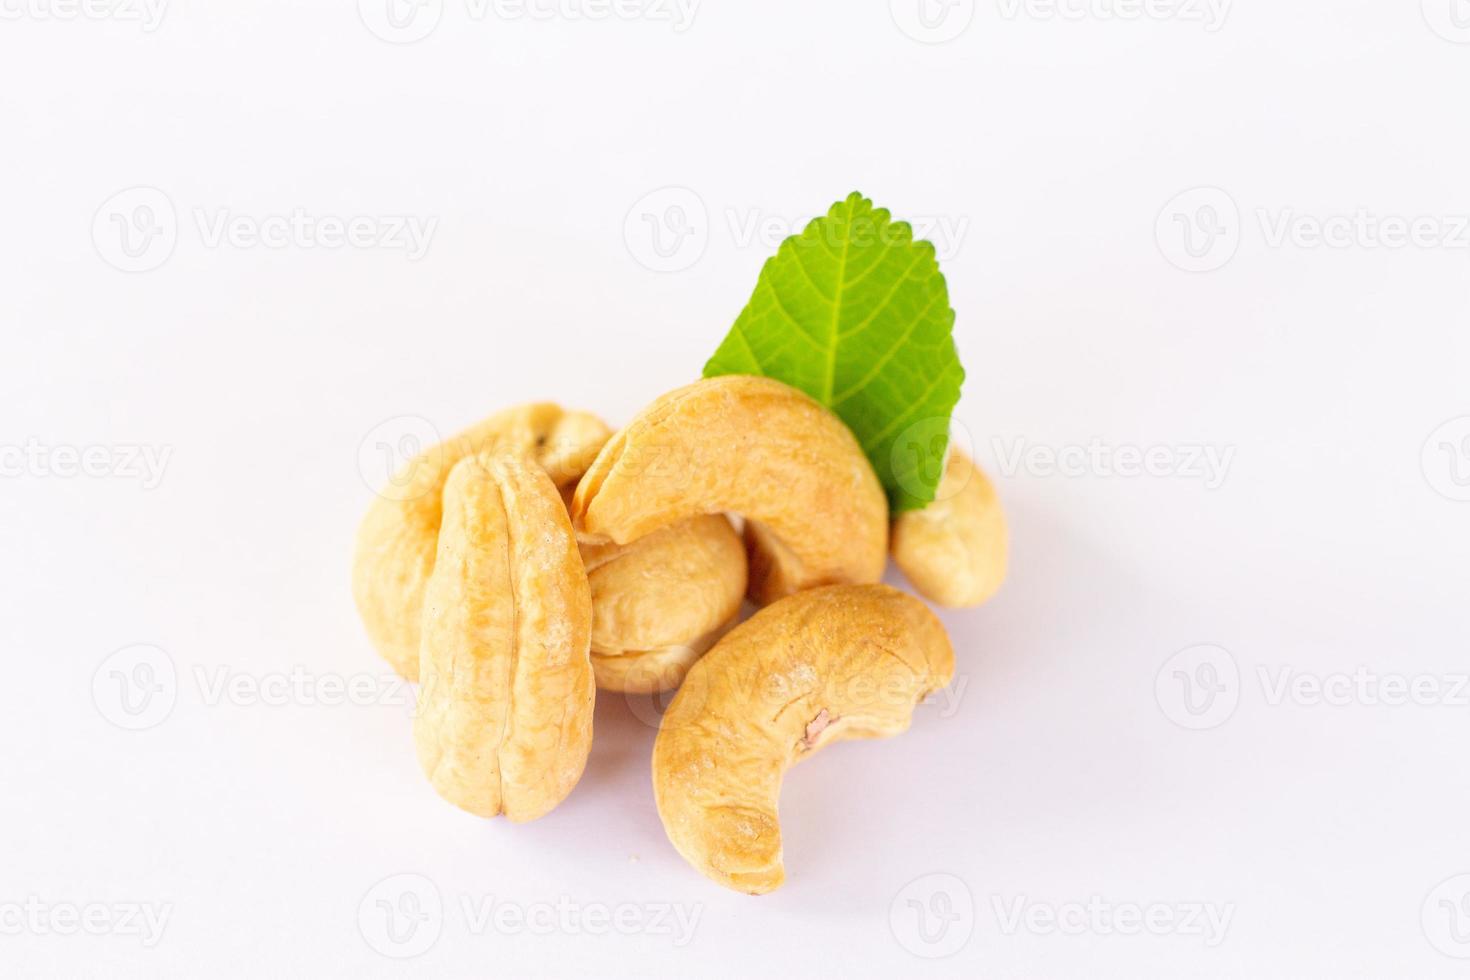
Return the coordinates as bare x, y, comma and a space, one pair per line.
518, 567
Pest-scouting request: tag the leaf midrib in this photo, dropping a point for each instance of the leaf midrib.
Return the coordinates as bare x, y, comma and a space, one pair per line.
837, 295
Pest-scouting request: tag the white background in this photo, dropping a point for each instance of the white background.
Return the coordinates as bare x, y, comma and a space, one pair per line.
1053, 149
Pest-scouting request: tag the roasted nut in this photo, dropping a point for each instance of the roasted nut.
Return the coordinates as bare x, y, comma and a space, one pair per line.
846, 661
504, 720
395, 544
754, 447
954, 551
662, 601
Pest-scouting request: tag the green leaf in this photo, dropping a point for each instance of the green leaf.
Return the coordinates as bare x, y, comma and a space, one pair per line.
855, 312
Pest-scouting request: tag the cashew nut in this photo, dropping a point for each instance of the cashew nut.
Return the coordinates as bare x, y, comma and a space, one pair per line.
395, 543
846, 661
755, 447
662, 601
955, 550
504, 720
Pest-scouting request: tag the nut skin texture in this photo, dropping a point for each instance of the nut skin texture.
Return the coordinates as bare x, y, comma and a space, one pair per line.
753, 447
396, 541
955, 550
662, 601
504, 720
845, 661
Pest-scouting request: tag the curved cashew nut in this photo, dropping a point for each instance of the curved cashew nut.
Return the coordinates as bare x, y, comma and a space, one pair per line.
846, 661
955, 550
504, 720
755, 447
659, 603
395, 543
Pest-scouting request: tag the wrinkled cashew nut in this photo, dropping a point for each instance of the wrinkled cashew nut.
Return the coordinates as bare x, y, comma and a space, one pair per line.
659, 603
955, 550
754, 447
396, 541
846, 661
504, 721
